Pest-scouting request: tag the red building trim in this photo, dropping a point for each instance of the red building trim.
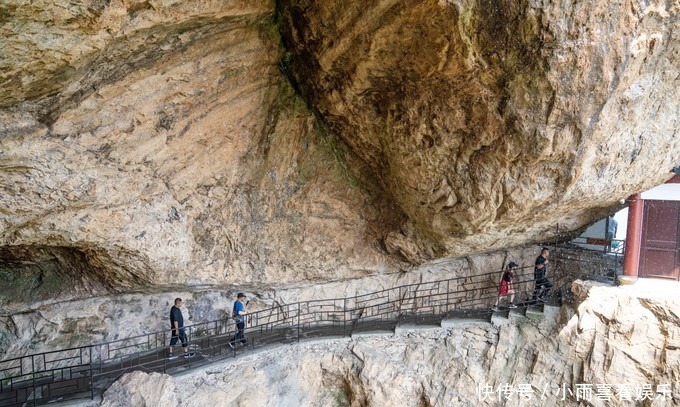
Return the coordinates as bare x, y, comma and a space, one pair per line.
631, 257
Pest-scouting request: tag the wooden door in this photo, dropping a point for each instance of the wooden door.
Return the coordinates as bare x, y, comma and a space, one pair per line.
660, 248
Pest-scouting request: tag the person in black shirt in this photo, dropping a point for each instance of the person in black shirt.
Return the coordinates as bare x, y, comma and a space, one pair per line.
178, 333
542, 284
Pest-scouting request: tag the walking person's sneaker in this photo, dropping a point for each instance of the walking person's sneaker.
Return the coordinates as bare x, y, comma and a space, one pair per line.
494, 308
189, 355
231, 345
511, 305
172, 356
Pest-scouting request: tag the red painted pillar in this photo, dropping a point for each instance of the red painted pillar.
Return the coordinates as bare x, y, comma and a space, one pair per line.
631, 257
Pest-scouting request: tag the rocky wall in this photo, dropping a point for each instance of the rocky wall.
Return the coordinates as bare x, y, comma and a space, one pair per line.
148, 144
489, 121
52, 324
168, 150
620, 343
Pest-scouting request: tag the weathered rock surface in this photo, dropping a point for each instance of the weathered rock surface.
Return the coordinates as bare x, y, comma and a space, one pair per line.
613, 338
156, 143
140, 389
168, 150
488, 122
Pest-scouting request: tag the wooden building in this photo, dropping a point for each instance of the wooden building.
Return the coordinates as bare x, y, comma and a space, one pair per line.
653, 235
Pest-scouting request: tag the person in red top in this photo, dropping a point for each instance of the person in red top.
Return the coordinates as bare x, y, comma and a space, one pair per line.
506, 288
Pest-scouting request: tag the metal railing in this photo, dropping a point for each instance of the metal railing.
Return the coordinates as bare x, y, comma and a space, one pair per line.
82, 372
595, 259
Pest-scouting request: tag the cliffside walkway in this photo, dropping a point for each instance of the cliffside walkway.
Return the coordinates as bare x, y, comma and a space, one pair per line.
86, 371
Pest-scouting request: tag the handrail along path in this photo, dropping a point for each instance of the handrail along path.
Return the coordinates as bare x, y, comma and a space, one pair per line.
83, 372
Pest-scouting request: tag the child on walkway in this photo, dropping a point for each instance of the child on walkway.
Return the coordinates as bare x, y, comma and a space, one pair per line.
506, 287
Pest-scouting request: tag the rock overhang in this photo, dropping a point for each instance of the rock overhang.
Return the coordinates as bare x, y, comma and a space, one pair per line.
429, 130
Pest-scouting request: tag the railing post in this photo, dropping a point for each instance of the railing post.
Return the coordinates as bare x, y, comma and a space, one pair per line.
101, 357
189, 342
91, 376
401, 303
298, 322
189, 339
448, 296
165, 359
344, 317
33, 376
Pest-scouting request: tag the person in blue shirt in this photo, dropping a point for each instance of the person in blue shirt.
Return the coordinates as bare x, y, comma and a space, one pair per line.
238, 313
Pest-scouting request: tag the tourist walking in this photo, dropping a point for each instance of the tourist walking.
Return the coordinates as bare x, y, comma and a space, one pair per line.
178, 332
506, 288
542, 284
238, 313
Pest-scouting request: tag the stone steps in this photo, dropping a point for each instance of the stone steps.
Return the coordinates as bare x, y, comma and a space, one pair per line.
456, 319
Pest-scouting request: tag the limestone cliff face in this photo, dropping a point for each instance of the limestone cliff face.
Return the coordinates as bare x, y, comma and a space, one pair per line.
158, 143
490, 121
618, 342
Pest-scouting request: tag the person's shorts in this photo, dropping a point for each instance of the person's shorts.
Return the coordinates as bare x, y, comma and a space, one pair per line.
544, 282
181, 337
503, 289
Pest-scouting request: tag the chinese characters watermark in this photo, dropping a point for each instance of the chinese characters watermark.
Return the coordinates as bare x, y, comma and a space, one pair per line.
578, 392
